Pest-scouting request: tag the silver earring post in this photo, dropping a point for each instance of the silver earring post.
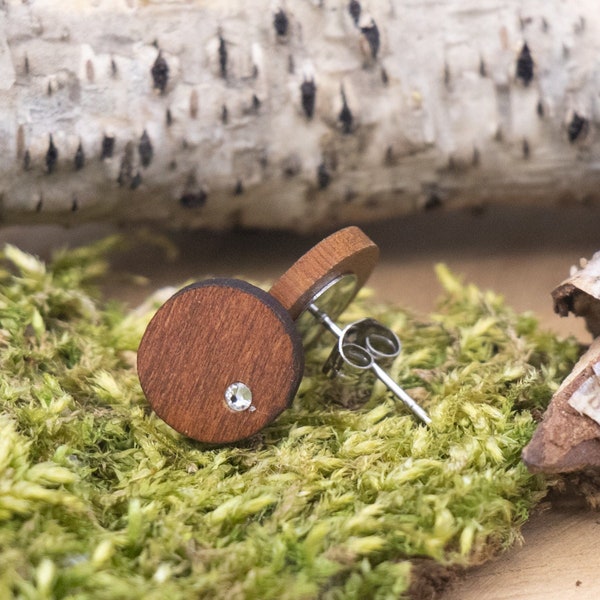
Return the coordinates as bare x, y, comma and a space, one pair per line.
361, 353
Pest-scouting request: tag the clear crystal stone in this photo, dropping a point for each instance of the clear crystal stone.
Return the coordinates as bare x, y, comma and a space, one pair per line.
238, 396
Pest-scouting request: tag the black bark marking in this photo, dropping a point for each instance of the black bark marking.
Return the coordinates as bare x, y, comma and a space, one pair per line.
49, 89
51, 156
255, 103
433, 202
354, 9
194, 104
545, 25
193, 199
524, 70
136, 181
26, 65
160, 73
168, 117
476, 157
79, 160
308, 95
526, 149
145, 149
371, 33
27, 160
224, 115
126, 166
108, 147
74, 204
323, 176
447, 75
114, 70
239, 188
222, 57
291, 166
39, 205
281, 23
525, 21
291, 65
540, 109
577, 127
482, 68
345, 117
384, 76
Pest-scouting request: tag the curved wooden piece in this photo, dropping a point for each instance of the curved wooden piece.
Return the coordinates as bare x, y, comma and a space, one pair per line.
205, 338
348, 251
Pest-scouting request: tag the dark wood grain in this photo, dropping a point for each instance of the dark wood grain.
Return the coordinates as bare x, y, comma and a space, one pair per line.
204, 338
347, 251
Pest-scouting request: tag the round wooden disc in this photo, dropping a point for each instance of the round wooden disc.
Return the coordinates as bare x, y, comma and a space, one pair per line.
346, 252
209, 336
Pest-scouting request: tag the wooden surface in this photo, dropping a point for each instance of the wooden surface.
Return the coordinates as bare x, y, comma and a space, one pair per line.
209, 336
347, 251
518, 251
557, 561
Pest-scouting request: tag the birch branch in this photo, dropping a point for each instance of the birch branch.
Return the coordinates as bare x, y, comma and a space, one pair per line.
293, 114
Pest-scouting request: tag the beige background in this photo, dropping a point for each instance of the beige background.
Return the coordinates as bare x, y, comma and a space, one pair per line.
521, 252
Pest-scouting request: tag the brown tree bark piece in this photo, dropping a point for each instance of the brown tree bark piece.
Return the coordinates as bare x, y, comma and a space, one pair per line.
567, 440
580, 294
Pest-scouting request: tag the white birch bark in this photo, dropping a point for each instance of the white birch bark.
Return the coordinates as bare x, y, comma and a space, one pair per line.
418, 103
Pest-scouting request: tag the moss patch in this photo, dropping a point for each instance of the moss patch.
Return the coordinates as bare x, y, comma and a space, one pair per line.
344, 496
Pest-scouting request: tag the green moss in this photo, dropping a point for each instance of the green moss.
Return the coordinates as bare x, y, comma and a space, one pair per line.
100, 499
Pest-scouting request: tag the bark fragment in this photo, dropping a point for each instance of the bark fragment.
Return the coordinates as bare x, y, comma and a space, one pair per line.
568, 438
580, 294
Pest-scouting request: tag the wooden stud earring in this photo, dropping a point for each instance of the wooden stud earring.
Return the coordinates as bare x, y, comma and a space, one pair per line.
221, 359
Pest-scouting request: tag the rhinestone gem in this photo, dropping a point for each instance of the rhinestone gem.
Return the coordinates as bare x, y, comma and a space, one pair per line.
238, 396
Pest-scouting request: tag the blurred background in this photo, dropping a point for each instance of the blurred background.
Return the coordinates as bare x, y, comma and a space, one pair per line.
522, 252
